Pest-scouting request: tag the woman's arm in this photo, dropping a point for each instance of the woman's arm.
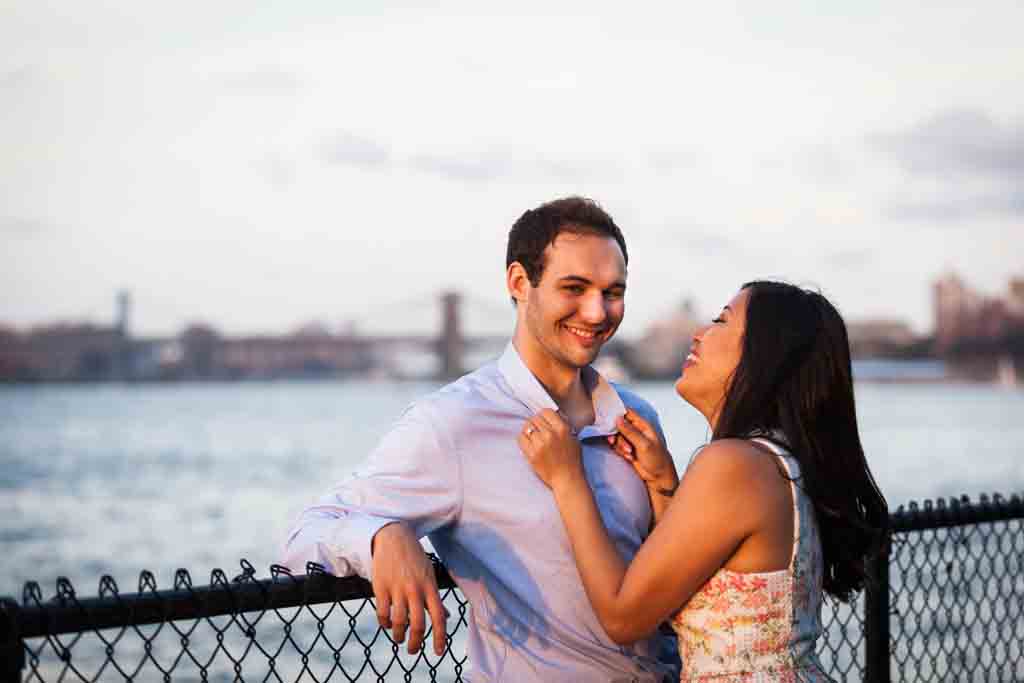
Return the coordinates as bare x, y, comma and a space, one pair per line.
712, 513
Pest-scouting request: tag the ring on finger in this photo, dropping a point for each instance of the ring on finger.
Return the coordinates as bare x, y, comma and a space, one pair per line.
530, 429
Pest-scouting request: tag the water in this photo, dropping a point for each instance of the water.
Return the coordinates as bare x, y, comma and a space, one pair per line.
107, 479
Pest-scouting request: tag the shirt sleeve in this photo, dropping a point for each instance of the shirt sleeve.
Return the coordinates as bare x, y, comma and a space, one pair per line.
412, 476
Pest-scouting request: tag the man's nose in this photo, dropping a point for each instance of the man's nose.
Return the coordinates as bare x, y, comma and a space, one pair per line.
594, 309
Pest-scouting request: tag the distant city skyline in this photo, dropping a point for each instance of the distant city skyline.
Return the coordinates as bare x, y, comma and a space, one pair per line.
976, 337
260, 167
431, 311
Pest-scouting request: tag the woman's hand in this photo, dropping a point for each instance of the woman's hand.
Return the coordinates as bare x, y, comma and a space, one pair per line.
549, 445
639, 444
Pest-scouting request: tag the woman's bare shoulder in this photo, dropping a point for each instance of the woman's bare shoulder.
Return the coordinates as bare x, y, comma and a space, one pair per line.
729, 453
732, 459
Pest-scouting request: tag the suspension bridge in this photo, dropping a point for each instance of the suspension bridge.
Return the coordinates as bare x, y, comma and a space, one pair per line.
402, 342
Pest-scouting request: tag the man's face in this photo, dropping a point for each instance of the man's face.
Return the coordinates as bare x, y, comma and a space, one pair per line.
580, 300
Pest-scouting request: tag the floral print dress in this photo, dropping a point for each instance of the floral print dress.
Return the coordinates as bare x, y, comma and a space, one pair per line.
759, 627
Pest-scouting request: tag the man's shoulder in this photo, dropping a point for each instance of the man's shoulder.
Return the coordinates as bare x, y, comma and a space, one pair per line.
456, 402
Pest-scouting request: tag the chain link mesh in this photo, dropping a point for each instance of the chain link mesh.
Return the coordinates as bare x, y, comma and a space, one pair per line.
956, 613
957, 603
330, 641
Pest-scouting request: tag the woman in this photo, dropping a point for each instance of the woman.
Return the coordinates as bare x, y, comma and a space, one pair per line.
778, 508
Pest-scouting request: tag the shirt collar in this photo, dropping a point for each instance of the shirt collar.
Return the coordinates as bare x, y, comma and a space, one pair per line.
608, 406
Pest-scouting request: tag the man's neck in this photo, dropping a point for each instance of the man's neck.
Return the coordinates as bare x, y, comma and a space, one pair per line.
564, 384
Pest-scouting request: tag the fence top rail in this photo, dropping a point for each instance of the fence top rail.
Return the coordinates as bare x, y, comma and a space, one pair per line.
67, 613
943, 513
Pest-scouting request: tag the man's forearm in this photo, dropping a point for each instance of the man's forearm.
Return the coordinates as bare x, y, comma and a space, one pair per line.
337, 540
410, 476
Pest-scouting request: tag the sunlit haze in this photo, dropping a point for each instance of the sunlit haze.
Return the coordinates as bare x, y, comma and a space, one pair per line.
260, 165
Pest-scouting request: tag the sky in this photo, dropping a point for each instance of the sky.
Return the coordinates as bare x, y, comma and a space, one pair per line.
258, 166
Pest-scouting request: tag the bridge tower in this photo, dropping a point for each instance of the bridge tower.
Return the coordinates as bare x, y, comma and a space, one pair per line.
451, 342
123, 361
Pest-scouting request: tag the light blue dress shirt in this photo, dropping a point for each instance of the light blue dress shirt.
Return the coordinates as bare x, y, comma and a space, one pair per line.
451, 470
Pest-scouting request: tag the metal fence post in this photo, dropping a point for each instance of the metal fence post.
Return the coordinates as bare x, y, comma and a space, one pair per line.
876, 616
12, 648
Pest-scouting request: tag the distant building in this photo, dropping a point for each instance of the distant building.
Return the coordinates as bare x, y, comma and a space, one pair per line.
69, 351
980, 338
1015, 298
60, 352
124, 313
964, 318
663, 347
956, 311
880, 338
298, 355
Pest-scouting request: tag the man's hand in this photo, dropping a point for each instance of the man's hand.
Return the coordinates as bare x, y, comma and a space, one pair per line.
403, 584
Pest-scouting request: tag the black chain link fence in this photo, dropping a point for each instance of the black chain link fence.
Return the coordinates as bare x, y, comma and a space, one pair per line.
949, 607
956, 577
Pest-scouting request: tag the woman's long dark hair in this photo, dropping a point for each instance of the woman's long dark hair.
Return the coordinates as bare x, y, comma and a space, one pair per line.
794, 378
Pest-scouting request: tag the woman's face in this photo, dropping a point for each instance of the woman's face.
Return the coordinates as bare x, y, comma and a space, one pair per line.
714, 355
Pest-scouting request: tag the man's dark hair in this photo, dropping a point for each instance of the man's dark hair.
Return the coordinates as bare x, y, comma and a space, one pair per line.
794, 382
537, 228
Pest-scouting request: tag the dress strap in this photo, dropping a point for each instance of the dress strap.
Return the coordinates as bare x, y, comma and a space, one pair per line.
792, 468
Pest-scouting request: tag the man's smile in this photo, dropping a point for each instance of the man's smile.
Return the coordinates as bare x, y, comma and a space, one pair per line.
584, 335
581, 332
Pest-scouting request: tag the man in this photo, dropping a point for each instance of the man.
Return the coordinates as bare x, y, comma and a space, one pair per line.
451, 469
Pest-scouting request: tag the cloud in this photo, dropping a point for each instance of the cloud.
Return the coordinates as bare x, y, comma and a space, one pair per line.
852, 259
710, 244
14, 78
347, 149
460, 168
264, 81
691, 240
959, 209
17, 226
822, 163
277, 170
957, 142
672, 160
564, 170
487, 167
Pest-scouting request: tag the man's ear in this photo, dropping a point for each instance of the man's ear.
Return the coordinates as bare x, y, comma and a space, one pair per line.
517, 282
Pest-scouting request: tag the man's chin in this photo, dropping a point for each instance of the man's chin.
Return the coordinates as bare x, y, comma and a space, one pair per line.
581, 358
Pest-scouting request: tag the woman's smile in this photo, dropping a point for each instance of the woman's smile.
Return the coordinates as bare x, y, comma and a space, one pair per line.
693, 356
